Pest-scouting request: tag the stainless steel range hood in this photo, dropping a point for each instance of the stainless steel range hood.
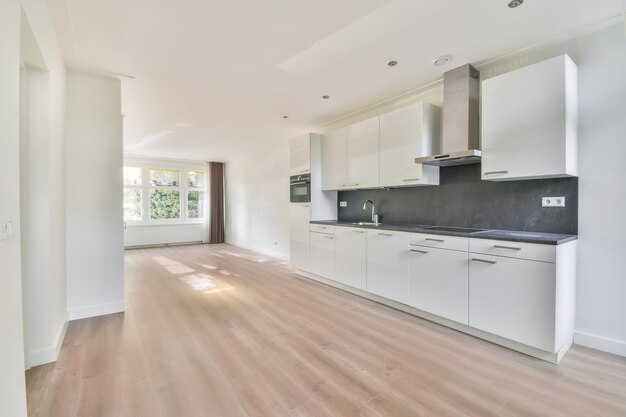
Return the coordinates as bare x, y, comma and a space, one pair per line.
460, 140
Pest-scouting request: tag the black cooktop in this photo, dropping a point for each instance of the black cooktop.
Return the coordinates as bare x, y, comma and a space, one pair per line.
454, 229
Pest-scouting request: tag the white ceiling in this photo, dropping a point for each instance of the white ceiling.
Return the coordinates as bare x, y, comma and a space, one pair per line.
212, 79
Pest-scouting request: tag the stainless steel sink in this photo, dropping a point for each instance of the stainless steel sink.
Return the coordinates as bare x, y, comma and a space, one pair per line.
367, 224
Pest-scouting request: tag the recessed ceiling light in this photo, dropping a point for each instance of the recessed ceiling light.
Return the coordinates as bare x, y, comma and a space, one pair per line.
442, 60
514, 3
392, 63
325, 97
285, 117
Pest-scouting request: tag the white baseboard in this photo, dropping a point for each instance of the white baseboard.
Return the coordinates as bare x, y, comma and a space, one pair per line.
49, 354
616, 347
97, 310
260, 250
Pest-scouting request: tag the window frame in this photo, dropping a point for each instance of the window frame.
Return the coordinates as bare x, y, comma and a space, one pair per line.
183, 167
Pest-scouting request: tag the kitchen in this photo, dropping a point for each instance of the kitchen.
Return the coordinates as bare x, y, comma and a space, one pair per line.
456, 238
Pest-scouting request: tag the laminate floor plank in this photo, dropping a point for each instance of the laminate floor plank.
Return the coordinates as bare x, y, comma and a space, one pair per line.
219, 331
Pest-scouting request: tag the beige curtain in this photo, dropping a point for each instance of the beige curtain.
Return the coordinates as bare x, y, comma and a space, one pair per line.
214, 202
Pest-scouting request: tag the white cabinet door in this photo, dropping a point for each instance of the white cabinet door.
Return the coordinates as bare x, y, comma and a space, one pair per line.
322, 254
299, 217
513, 298
438, 282
388, 264
350, 256
300, 155
528, 122
405, 134
362, 153
334, 174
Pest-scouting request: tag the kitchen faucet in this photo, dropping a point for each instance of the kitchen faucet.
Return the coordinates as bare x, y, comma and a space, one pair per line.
374, 215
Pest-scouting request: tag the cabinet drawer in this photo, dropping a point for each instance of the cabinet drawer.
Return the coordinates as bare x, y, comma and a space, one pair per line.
520, 250
439, 241
322, 228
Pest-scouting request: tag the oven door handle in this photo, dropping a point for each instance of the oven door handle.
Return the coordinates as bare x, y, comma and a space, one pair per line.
300, 183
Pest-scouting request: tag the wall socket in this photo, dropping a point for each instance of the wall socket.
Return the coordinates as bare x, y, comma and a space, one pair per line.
274, 242
553, 202
343, 204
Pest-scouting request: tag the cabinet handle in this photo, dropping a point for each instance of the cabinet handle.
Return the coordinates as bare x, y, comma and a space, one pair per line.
305, 171
411, 179
495, 172
385, 234
323, 227
434, 240
418, 251
358, 231
484, 261
507, 247
329, 237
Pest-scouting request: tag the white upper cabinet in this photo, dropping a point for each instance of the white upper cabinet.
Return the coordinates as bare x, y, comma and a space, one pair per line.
405, 134
529, 122
334, 172
362, 153
300, 155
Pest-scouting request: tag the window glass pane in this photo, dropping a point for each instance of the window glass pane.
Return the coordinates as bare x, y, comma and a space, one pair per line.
196, 179
132, 204
132, 176
164, 204
195, 204
167, 177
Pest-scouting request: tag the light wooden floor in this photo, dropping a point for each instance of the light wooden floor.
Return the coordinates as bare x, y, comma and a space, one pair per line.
212, 330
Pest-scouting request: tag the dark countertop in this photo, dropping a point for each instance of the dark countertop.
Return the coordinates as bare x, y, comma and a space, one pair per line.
510, 235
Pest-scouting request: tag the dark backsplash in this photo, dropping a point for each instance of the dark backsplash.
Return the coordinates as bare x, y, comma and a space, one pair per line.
464, 200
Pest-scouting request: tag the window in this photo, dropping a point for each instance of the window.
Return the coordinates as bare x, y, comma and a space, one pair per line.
164, 204
132, 204
164, 177
196, 179
172, 193
132, 193
132, 176
195, 204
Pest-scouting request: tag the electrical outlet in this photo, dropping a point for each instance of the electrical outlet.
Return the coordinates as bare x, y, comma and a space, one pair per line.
553, 202
343, 204
275, 243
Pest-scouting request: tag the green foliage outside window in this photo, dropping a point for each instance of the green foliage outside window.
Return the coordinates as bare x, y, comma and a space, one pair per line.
165, 204
132, 204
195, 204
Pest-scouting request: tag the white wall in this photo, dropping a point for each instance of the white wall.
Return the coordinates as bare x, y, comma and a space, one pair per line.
42, 186
94, 219
601, 60
257, 202
12, 388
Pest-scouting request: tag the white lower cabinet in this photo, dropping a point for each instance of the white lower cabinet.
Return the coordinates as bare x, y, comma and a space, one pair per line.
322, 254
350, 256
438, 282
513, 298
299, 217
388, 264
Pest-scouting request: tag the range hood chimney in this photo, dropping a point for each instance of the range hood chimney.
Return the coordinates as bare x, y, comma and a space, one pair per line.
460, 140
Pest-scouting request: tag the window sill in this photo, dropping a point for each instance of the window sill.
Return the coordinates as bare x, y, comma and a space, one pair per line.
173, 224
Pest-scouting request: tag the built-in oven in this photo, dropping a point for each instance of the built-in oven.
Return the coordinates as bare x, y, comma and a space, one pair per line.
300, 188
